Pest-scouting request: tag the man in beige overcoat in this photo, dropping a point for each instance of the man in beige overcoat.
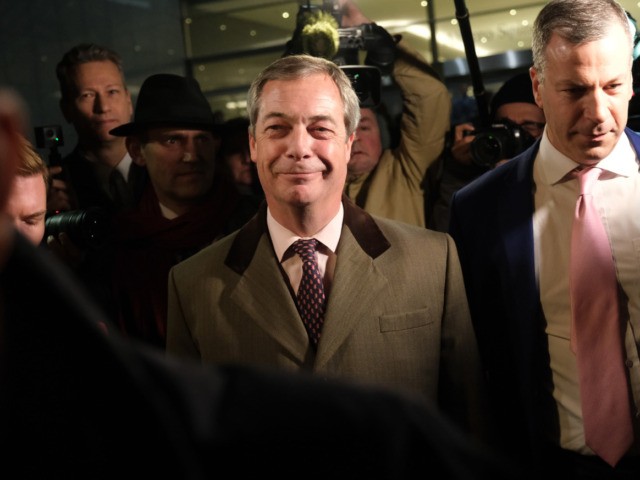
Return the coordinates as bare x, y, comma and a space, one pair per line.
394, 310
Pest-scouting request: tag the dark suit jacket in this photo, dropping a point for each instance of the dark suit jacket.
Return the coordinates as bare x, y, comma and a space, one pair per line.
86, 189
491, 223
396, 315
76, 403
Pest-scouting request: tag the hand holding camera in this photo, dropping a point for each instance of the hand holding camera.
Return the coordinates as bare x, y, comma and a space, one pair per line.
461, 147
65, 250
351, 14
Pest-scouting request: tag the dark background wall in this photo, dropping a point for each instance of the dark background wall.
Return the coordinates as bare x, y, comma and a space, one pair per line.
34, 34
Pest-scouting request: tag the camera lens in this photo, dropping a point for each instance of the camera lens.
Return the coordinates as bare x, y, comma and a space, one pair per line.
501, 141
86, 228
487, 149
50, 134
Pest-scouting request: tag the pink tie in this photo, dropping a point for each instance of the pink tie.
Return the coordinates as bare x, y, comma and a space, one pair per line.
310, 298
596, 333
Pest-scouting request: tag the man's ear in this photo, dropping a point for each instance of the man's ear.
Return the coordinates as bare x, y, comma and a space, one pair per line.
252, 147
134, 147
535, 84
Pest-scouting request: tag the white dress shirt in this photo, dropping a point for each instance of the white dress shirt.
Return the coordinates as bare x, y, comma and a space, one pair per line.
617, 194
283, 238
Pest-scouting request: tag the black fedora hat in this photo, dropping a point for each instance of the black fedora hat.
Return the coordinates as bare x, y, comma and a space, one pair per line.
169, 100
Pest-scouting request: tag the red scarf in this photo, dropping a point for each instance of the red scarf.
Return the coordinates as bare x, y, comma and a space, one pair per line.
147, 245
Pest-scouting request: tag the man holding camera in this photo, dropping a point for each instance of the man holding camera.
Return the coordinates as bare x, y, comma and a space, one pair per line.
514, 107
388, 182
26, 204
97, 179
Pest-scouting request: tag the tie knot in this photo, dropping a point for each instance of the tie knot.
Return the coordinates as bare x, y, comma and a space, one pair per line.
586, 178
305, 247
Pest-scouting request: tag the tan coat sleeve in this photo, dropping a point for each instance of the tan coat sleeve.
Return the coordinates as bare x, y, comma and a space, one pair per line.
396, 184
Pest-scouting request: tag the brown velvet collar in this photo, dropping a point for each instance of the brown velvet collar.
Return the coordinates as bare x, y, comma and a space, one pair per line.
362, 226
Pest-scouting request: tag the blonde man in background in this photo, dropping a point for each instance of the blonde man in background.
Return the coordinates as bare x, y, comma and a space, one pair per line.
27, 202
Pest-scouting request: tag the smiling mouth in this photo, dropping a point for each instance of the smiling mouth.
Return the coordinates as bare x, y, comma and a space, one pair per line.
300, 173
596, 136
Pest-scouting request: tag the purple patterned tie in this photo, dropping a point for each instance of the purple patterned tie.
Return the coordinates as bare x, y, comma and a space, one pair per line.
596, 333
310, 297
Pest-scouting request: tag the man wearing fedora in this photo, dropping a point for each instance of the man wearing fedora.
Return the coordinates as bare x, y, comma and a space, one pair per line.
185, 206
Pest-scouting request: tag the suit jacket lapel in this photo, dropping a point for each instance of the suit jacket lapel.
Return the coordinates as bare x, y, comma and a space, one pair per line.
526, 334
262, 291
516, 234
517, 226
635, 139
357, 283
264, 294
357, 287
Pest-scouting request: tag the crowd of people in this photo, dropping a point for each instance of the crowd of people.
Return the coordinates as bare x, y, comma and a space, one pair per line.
282, 282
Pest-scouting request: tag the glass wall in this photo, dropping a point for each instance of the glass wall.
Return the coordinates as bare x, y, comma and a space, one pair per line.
36, 33
229, 41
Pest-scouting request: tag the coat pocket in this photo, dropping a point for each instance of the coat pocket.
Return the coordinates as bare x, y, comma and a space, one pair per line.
406, 320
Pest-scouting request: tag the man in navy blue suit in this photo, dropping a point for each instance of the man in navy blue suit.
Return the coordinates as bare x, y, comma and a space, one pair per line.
513, 229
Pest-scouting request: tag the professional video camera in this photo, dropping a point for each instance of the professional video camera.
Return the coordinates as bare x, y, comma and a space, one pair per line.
318, 33
497, 142
88, 228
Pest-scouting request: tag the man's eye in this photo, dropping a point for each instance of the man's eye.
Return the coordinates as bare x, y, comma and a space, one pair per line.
575, 91
276, 130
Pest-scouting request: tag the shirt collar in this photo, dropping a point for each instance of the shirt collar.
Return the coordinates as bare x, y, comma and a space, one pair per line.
123, 166
554, 166
282, 237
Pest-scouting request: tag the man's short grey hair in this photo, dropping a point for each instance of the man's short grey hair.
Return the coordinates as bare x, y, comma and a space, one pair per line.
577, 21
294, 67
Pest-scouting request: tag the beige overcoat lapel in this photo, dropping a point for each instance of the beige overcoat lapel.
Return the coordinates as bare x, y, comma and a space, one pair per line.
264, 295
349, 302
